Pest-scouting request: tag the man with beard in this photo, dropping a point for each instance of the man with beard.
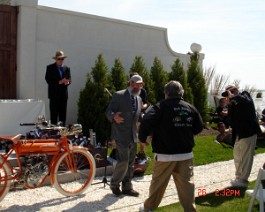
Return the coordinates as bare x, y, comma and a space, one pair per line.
123, 112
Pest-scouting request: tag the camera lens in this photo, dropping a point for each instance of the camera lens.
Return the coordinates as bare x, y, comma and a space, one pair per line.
225, 94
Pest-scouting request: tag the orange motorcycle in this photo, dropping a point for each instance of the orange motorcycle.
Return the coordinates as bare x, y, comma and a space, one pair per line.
71, 168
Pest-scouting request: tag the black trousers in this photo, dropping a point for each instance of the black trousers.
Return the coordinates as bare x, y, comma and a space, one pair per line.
58, 109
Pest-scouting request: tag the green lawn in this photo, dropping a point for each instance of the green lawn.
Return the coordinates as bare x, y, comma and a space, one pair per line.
211, 202
207, 151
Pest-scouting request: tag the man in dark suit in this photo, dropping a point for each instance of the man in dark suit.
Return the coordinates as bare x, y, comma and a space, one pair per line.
123, 112
58, 77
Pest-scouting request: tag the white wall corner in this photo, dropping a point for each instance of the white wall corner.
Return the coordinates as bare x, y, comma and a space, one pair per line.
28, 3
26, 52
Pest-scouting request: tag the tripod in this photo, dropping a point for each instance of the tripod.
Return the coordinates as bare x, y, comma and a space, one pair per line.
104, 180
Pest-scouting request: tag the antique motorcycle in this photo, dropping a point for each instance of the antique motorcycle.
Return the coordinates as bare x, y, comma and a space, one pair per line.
48, 153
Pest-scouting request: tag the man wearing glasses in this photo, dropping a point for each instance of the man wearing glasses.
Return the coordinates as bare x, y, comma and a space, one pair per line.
58, 77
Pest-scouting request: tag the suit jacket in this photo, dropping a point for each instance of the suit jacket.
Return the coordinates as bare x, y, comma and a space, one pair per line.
126, 132
52, 77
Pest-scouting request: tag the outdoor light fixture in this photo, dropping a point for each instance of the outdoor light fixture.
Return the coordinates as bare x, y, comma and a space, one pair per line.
195, 47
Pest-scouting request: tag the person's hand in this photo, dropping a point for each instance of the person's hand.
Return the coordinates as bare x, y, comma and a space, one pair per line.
64, 81
117, 118
262, 123
144, 106
145, 144
224, 112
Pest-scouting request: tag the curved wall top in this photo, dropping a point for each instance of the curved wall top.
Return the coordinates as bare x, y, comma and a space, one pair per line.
44, 30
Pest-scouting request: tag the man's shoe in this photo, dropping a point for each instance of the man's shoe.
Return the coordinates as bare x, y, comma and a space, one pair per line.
143, 209
116, 191
238, 184
131, 193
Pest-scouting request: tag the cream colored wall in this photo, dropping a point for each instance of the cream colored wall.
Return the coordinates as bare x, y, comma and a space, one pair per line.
43, 30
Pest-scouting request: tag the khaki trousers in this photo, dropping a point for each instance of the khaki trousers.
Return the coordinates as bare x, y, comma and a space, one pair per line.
244, 151
182, 172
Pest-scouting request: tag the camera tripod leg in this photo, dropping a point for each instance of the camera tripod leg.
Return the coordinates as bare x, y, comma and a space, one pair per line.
104, 180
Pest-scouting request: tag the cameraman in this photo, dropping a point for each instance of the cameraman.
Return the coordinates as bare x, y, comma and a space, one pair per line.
242, 116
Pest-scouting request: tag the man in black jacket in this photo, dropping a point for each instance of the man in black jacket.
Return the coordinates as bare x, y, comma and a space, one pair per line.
244, 122
58, 77
172, 124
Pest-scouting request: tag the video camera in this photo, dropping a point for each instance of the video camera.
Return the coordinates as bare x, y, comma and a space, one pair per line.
225, 94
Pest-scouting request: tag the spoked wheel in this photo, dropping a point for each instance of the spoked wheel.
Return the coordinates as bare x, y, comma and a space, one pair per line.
4, 182
71, 181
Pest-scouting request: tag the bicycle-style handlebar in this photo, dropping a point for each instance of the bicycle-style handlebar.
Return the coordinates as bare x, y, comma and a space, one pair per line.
27, 124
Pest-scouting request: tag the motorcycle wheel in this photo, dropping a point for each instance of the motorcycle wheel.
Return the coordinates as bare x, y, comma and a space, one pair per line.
4, 182
74, 181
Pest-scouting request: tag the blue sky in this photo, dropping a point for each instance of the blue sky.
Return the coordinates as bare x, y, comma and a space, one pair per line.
231, 32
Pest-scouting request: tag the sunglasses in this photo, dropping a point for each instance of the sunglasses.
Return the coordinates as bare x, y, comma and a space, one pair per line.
60, 59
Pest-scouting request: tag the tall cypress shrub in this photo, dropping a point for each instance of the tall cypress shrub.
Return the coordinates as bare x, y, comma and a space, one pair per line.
93, 101
177, 73
159, 77
118, 76
197, 84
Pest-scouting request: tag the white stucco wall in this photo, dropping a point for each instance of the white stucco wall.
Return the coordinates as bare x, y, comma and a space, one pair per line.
259, 102
43, 30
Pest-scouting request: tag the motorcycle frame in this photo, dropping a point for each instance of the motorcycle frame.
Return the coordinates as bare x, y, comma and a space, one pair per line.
36, 145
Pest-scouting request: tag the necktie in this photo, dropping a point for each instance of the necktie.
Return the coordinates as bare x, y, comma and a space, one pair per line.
133, 100
61, 71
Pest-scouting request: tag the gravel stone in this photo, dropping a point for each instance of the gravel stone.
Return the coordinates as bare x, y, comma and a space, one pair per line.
100, 198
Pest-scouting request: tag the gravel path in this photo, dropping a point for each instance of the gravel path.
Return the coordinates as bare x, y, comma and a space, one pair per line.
99, 198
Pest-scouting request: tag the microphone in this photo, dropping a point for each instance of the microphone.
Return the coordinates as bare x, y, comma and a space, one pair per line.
106, 90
